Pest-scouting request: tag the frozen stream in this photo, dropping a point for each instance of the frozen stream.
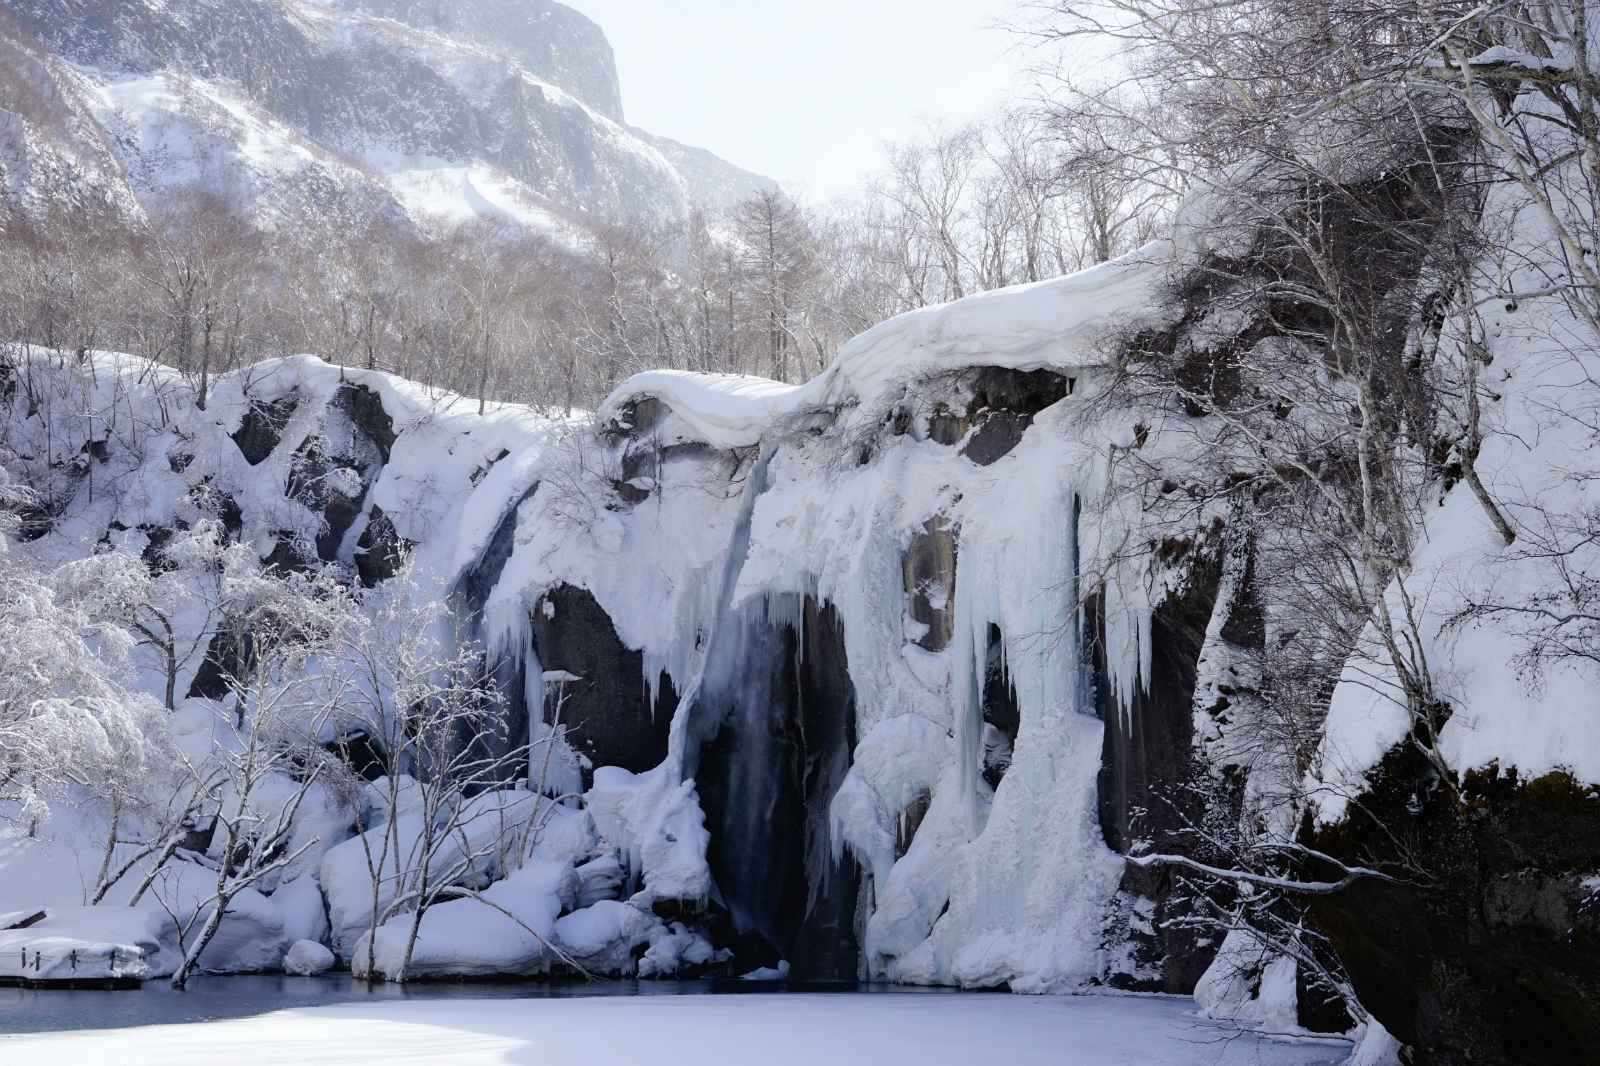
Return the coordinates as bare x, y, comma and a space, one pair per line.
703, 1030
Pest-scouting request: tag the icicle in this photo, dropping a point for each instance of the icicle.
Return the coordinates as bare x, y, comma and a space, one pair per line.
505, 630
1014, 573
1127, 637
720, 668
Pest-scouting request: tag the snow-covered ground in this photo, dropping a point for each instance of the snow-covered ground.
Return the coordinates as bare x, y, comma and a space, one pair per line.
700, 1030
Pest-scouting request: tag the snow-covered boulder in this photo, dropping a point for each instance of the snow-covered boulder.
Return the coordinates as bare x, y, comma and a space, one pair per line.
507, 931
250, 937
679, 950
304, 916
601, 938
657, 823
307, 958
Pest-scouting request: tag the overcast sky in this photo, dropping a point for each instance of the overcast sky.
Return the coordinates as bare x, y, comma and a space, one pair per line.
805, 91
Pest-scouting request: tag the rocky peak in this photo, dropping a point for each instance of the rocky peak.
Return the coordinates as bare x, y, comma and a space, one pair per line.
551, 41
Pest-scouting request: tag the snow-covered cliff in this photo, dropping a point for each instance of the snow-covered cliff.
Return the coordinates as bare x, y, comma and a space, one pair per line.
834, 624
860, 678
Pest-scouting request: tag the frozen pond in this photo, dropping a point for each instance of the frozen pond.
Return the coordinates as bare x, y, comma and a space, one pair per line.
240, 996
463, 1027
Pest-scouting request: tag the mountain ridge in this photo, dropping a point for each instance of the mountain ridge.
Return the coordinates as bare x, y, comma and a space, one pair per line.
336, 111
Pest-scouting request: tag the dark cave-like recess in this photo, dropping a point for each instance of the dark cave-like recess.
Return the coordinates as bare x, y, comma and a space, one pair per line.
765, 782
1146, 760
609, 714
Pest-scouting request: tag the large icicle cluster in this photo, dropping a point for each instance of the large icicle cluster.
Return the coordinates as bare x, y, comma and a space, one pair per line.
705, 505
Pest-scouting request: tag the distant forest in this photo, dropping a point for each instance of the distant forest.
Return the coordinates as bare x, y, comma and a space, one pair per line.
489, 309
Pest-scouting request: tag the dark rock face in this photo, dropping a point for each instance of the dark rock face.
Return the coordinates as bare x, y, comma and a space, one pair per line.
508, 675
356, 438
338, 515
364, 408
1490, 952
379, 549
1001, 711
765, 781
361, 752
262, 428
996, 436
826, 948
1003, 405
154, 554
929, 569
227, 659
289, 554
946, 426
1025, 392
609, 714
1146, 761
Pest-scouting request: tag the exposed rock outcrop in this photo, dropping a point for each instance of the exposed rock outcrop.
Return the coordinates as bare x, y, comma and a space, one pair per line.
1488, 951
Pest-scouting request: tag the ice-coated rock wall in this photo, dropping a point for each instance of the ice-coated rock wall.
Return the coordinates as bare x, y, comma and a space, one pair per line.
864, 592
831, 702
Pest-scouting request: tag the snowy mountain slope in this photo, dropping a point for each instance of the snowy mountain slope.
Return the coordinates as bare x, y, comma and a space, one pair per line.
52, 149
551, 41
290, 109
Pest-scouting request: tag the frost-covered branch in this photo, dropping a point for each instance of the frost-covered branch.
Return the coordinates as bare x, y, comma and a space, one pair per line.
1352, 874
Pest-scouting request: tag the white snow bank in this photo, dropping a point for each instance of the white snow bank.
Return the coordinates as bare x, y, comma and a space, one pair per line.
601, 938
85, 942
724, 410
304, 916
249, 938
508, 931
1059, 322
789, 1030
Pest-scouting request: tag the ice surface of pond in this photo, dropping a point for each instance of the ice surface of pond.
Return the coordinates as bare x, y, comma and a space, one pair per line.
244, 995
461, 1026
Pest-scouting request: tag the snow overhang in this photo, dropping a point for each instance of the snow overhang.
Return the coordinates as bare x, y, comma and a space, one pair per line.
1061, 324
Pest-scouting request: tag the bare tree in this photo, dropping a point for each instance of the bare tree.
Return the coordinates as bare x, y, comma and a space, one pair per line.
269, 757
438, 734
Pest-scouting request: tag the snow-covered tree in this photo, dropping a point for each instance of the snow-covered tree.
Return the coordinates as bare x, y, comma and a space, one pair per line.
270, 750
65, 719
421, 707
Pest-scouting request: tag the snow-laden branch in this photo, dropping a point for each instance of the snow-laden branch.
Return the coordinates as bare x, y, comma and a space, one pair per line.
1352, 874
